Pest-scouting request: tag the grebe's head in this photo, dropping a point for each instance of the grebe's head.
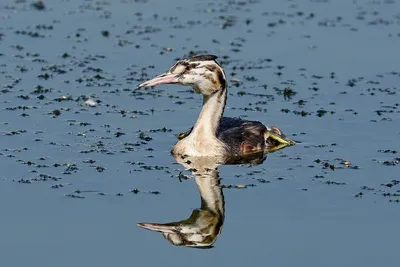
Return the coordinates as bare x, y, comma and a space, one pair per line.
201, 72
277, 140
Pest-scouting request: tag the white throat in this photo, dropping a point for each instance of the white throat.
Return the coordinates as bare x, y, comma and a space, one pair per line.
203, 140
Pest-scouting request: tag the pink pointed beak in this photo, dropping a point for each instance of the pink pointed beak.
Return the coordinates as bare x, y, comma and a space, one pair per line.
163, 228
165, 78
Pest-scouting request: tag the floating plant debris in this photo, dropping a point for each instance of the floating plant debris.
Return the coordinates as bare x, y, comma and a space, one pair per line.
77, 104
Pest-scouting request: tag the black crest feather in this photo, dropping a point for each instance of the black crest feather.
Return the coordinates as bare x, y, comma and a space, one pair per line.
202, 58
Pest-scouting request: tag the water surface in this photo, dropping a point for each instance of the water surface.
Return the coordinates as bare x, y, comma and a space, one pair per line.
69, 171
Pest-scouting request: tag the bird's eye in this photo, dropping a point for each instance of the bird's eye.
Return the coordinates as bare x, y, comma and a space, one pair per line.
188, 68
276, 130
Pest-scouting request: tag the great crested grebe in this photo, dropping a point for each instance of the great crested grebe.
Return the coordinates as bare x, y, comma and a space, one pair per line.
214, 135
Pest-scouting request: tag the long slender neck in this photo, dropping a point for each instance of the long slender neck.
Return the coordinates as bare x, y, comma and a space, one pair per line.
211, 114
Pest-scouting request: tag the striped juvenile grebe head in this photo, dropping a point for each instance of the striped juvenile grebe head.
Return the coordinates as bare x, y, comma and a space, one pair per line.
201, 72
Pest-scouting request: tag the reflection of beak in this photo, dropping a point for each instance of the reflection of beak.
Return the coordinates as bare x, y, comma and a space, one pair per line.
163, 228
160, 79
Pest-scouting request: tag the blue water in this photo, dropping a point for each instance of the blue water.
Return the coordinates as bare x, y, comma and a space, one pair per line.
338, 56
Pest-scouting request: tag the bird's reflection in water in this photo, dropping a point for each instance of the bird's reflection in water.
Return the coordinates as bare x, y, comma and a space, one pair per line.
204, 225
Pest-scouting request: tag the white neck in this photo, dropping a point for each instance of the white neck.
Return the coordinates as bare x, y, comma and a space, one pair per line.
203, 141
211, 113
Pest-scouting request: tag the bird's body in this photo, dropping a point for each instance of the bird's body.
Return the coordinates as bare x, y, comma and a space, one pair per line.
230, 133
213, 135
252, 134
